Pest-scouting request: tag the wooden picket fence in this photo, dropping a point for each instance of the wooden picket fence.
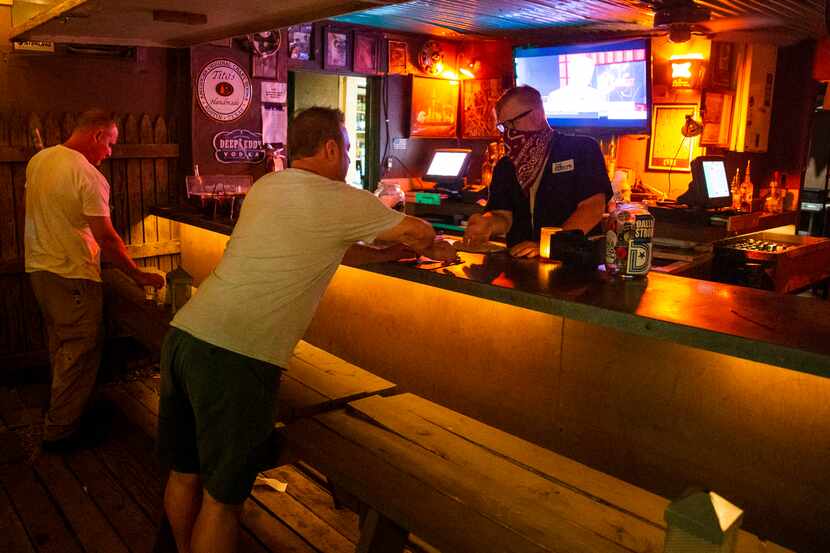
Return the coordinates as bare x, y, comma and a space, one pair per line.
142, 172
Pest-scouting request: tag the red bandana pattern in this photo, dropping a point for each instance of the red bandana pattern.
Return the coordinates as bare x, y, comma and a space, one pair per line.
528, 151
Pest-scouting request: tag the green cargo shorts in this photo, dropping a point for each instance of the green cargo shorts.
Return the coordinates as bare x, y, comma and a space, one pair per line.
216, 414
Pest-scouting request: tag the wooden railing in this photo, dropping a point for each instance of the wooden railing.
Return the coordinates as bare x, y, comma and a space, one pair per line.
141, 172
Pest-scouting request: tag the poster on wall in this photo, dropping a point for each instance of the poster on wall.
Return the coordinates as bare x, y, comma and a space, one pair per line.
338, 48
478, 119
717, 116
299, 42
274, 92
397, 57
238, 146
366, 54
274, 124
668, 149
434, 108
223, 90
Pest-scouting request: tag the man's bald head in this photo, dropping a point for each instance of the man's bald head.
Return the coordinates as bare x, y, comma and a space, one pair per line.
94, 134
527, 96
522, 100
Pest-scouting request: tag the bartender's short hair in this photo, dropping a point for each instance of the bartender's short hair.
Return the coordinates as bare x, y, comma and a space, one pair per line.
311, 129
526, 94
94, 119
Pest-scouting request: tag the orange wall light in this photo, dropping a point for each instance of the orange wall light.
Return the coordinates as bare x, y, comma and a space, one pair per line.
687, 70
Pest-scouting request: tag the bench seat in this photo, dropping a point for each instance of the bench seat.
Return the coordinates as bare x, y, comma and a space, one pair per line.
466, 487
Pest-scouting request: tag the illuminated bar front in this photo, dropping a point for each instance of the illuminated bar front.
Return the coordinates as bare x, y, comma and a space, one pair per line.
666, 383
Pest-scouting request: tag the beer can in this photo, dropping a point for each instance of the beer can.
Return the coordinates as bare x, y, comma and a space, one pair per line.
628, 233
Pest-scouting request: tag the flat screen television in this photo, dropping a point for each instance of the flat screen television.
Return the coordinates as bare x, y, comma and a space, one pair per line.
591, 86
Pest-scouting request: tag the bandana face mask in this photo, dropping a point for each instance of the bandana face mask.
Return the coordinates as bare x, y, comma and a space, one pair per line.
528, 151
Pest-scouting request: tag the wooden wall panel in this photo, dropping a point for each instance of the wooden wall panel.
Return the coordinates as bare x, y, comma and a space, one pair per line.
21, 328
666, 417
8, 226
429, 342
148, 189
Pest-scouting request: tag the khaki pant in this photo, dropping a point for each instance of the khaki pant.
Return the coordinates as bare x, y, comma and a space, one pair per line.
72, 310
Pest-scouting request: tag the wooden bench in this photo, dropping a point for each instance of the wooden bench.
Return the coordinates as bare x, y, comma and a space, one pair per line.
466, 487
313, 382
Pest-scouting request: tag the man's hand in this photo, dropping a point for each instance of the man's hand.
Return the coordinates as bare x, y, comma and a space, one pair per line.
441, 251
148, 279
528, 248
478, 231
397, 252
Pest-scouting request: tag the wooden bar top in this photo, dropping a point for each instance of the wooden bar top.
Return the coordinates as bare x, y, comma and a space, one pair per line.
786, 331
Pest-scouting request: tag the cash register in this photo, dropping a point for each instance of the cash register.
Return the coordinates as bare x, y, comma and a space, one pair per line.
709, 187
448, 204
447, 169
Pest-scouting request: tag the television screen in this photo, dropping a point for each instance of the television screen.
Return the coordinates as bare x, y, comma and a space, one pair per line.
590, 85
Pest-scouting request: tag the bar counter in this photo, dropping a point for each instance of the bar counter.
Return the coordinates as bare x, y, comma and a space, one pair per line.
665, 383
782, 330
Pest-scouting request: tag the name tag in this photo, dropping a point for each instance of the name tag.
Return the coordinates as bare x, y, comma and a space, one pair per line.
563, 166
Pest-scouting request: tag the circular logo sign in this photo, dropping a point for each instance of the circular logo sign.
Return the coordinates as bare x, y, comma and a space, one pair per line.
224, 90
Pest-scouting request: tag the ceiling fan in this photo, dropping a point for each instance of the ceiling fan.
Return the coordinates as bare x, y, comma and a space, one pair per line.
680, 19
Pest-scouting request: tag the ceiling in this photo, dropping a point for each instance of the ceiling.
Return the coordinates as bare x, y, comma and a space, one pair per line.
132, 22
521, 20
171, 23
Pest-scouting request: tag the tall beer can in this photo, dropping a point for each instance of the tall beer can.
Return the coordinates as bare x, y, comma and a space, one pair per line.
628, 233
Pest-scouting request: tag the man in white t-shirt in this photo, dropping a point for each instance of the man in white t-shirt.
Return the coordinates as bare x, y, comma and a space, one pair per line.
68, 226
221, 362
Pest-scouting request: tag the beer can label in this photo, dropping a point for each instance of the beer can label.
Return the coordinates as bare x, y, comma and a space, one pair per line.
638, 239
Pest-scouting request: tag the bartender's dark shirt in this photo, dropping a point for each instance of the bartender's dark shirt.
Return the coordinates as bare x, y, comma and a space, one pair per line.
574, 171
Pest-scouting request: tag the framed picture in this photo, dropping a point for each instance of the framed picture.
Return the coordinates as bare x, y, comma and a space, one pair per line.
717, 118
397, 57
337, 49
478, 120
366, 53
722, 65
301, 42
434, 111
668, 149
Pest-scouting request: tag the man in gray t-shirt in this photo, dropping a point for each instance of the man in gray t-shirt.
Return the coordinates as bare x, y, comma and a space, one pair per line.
221, 361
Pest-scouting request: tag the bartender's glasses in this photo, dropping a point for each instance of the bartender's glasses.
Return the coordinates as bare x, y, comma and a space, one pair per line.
510, 123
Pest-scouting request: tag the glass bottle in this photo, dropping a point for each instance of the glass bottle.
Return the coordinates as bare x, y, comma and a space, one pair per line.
391, 194
735, 191
747, 190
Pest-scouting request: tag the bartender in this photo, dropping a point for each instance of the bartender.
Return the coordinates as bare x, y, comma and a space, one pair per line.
547, 179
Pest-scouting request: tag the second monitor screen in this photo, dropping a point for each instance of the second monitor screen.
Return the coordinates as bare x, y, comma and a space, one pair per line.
447, 164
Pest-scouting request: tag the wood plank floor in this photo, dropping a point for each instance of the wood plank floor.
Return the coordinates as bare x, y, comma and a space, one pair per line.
108, 498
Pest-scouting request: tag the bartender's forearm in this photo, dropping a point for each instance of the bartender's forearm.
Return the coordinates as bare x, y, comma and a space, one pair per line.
588, 213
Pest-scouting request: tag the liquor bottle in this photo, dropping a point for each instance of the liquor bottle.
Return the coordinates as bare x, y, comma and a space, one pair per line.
746, 190
775, 199
735, 190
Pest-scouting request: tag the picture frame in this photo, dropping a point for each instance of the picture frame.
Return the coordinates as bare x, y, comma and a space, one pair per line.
668, 149
721, 70
396, 57
337, 49
478, 118
434, 110
717, 118
366, 56
301, 43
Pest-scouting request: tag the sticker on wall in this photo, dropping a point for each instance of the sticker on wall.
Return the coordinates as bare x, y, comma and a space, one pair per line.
224, 90
238, 146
